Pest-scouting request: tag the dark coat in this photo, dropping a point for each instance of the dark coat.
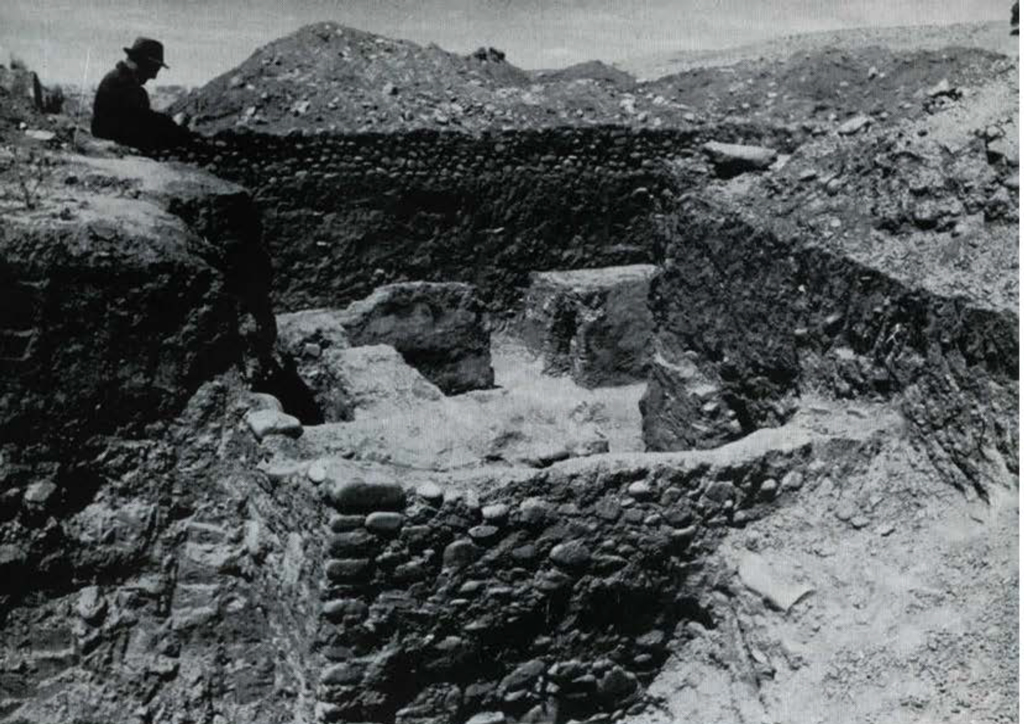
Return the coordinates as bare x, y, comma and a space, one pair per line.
121, 113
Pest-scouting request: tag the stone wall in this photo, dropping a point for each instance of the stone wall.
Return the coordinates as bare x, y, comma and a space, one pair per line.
747, 319
507, 605
346, 213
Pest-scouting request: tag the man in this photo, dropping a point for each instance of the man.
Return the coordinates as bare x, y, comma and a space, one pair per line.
121, 110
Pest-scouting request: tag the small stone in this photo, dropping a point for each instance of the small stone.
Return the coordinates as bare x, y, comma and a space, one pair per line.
39, 493
412, 571
523, 675
496, 514
859, 521
342, 674
340, 609
640, 490
730, 158
854, 125
942, 88
793, 480
91, 606
769, 488
720, 491
312, 350
487, 717
608, 509
525, 553
344, 545
572, 554
317, 472
553, 581
872, 73
634, 515
616, 684
384, 523
461, 553
534, 511
343, 571
1003, 150
483, 533
886, 530
430, 492
272, 422
343, 523
845, 512
652, 640
684, 535
359, 495
833, 322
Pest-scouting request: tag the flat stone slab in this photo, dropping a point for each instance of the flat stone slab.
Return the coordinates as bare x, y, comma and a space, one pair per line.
731, 159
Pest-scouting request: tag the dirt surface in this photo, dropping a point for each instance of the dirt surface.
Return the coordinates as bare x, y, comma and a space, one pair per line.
908, 617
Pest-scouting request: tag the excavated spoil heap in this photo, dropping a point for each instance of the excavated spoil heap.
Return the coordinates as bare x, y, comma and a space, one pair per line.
207, 556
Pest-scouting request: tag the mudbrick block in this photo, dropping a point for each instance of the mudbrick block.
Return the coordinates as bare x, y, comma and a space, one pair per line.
591, 323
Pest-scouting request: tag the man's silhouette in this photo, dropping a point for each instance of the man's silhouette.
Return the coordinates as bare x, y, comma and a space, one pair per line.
121, 110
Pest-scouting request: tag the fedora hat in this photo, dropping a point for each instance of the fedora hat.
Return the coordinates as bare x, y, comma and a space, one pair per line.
147, 50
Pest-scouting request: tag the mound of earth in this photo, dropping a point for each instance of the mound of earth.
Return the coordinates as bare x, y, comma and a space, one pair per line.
992, 36
330, 78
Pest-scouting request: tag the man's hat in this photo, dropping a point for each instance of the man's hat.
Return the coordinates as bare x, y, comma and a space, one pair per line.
147, 50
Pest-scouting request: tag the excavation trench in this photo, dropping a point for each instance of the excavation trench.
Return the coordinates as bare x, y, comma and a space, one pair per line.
470, 569
430, 542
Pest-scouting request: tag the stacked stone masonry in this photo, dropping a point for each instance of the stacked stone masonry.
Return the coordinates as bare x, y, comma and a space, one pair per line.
344, 214
454, 607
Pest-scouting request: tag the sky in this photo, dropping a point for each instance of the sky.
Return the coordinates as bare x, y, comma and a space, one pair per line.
71, 41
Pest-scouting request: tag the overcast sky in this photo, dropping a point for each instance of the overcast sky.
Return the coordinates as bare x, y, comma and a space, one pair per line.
204, 38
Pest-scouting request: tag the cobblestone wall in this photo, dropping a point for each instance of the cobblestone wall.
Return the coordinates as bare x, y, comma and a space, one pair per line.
508, 605
345, 213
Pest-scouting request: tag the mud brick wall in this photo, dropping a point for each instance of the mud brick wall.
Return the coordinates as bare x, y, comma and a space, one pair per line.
508, 605
346, 213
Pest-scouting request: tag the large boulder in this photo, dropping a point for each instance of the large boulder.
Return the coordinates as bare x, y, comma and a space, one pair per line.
128, 285
440, 329
591, 323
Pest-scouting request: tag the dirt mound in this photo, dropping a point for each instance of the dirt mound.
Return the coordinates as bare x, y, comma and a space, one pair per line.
329, 74
330, 77
992, 36
592, 70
